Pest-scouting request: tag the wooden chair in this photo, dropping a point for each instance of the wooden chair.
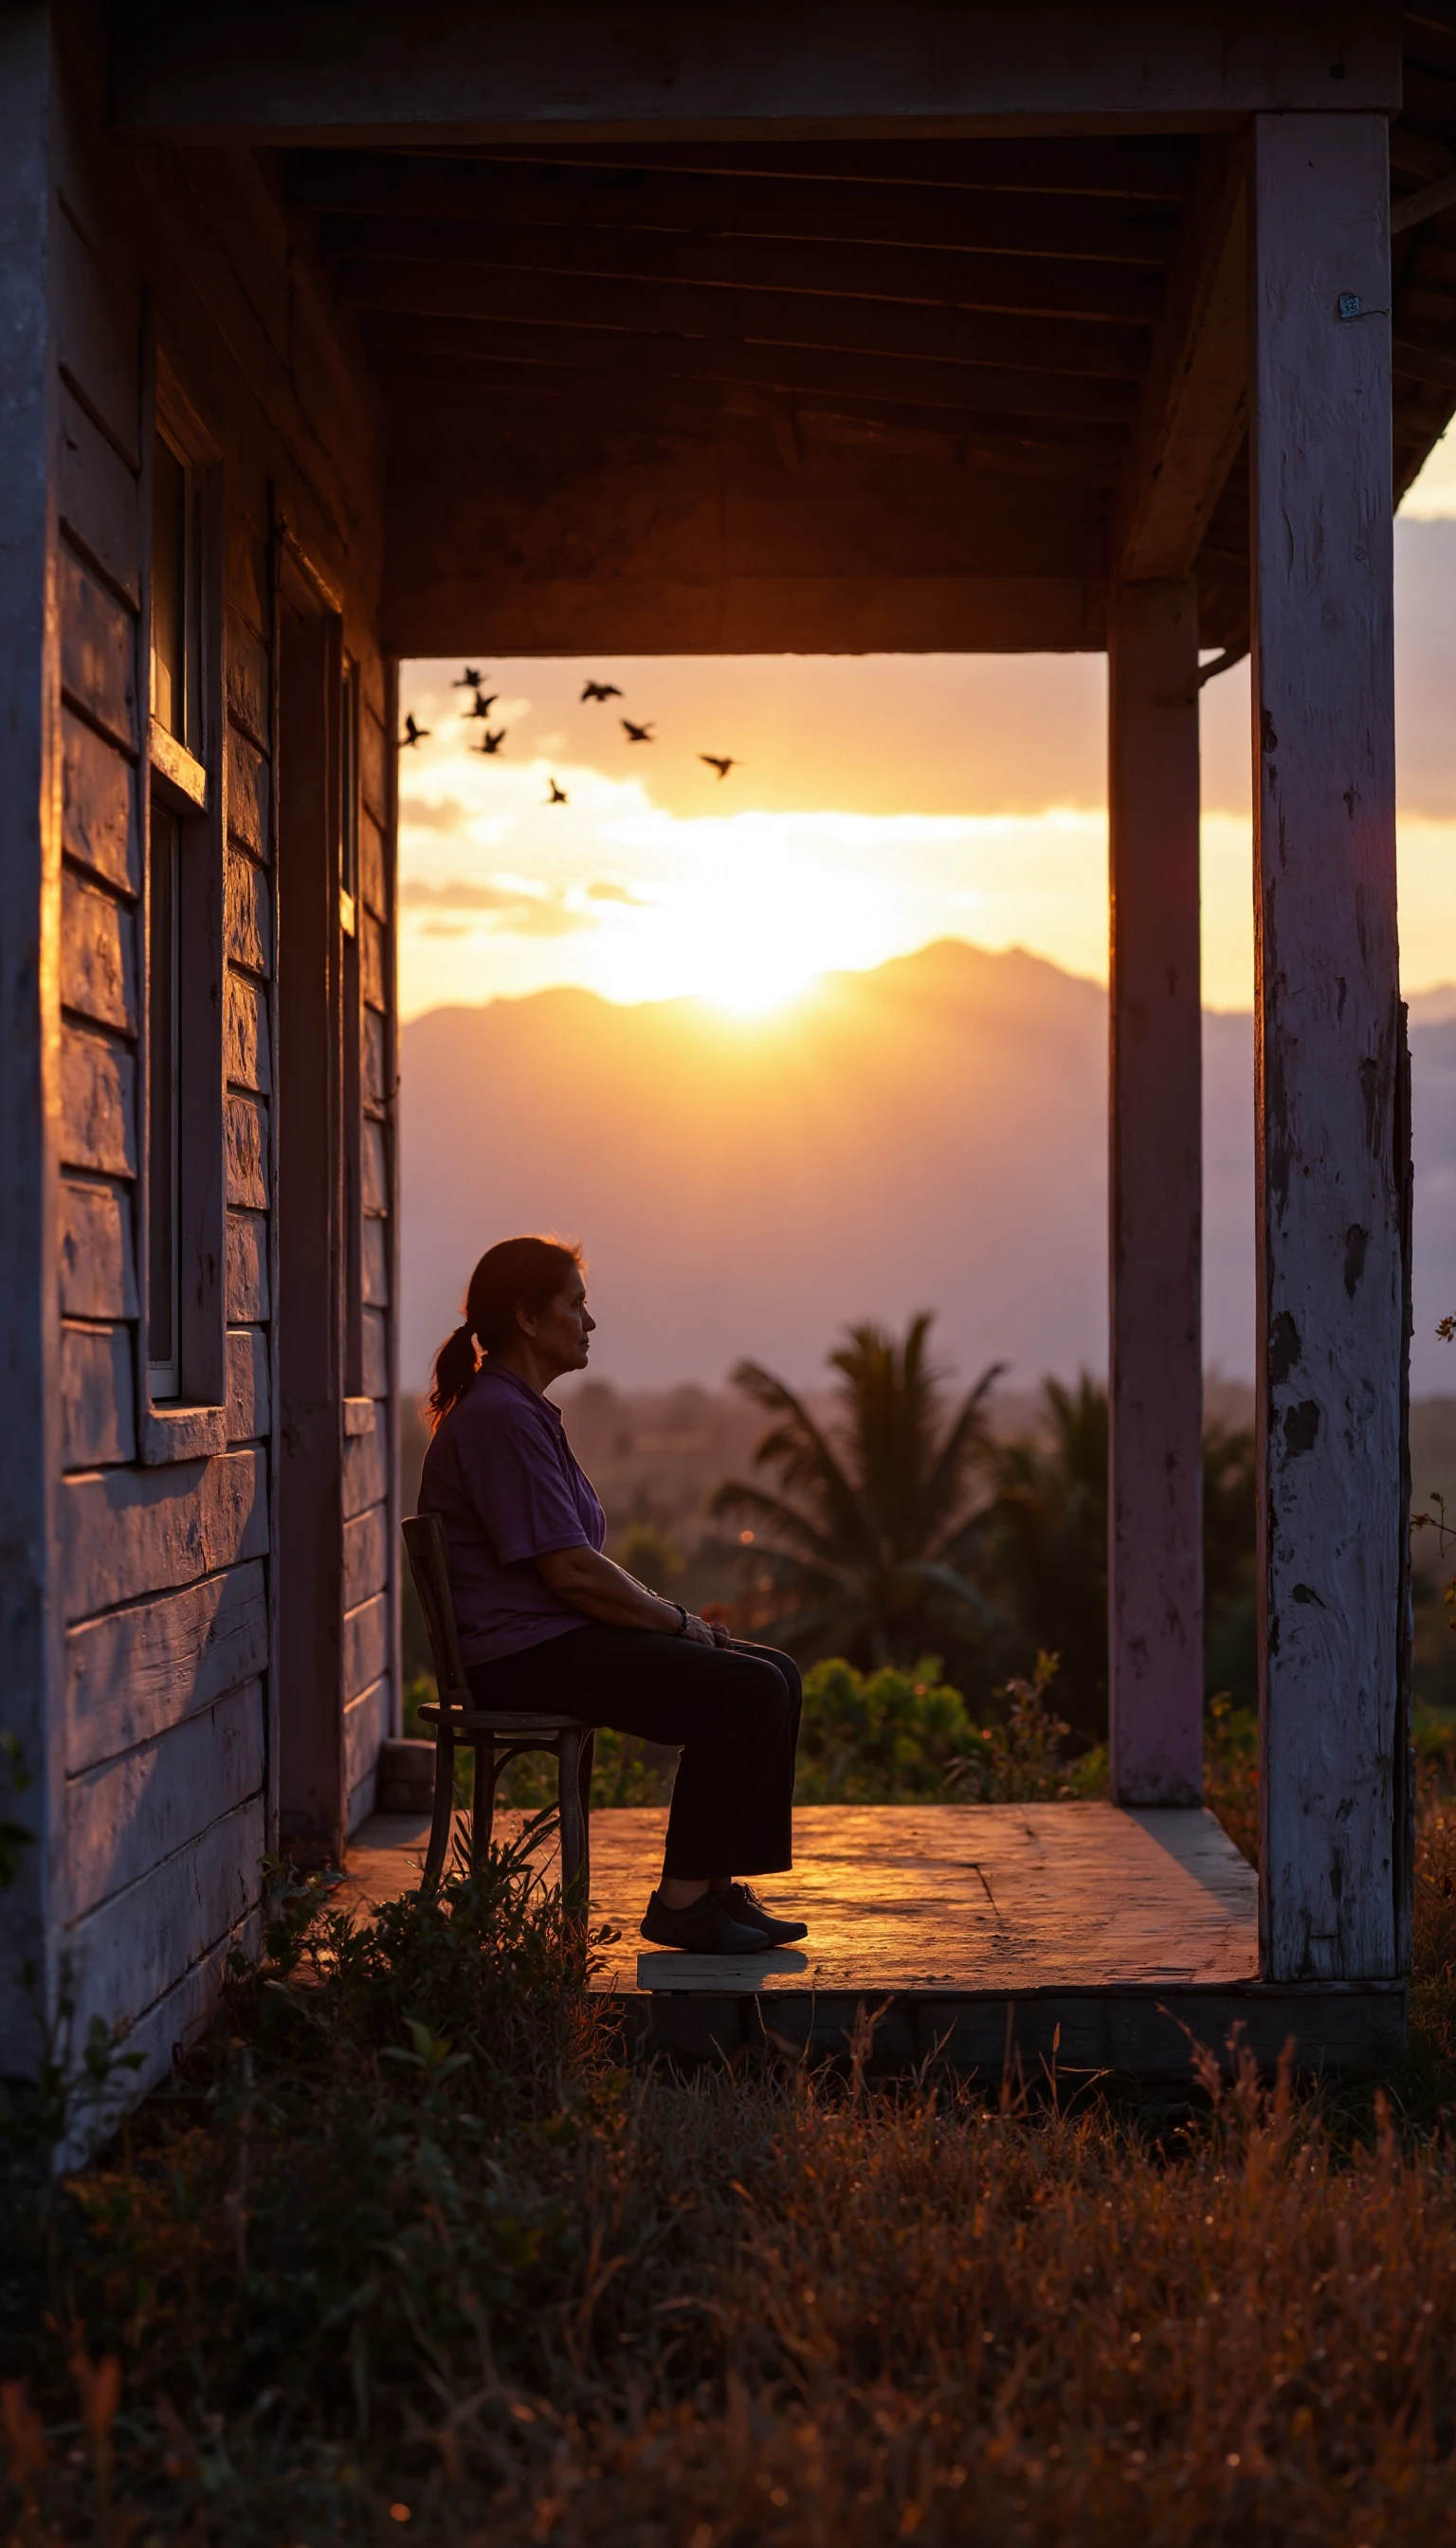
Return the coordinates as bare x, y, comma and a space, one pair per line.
499, 1736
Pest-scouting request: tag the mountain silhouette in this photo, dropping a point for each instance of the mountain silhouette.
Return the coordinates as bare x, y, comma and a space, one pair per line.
932, 1133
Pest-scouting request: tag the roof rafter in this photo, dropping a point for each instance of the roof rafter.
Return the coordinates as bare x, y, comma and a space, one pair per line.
1191, 417
503, 397
598, 306
990, 389
932, 278
487, 191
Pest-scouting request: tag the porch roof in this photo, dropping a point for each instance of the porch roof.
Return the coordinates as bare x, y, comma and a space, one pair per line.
791, 383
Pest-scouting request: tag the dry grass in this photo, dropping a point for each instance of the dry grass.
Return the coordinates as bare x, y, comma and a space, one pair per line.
407, 2256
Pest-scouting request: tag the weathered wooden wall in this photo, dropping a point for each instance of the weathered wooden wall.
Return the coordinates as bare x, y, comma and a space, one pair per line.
30, 1780
160, 1711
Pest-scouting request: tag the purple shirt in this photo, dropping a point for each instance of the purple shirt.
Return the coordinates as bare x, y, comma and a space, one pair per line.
501, 1475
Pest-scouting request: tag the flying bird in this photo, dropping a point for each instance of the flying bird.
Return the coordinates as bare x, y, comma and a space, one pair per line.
601, 691
483, 704
636, 733
558, 795
489, 742
414, 733
721, 762
470, 680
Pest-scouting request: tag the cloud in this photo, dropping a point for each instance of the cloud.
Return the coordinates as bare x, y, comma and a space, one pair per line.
606, 892
516, 908
427, 814
457, 893
554, 919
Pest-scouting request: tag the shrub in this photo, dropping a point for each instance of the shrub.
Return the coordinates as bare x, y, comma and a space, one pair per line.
879, 1738
893, 1737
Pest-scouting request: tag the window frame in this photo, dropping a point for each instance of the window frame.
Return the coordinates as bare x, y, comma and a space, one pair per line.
182, 1395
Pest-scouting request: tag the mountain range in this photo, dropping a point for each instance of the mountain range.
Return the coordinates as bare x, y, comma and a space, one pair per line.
931, 1134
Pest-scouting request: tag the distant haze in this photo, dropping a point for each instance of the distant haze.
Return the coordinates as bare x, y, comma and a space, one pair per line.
932, 1133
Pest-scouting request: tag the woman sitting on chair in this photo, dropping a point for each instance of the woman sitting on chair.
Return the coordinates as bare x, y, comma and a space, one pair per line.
546, 1623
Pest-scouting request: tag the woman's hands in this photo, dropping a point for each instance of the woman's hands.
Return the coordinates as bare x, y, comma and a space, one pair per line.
705, 1632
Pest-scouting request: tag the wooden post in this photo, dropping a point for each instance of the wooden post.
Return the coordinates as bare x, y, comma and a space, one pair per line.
1327, 1052
1155, 1201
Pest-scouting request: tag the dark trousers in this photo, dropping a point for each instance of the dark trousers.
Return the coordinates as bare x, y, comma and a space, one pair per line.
734, 1709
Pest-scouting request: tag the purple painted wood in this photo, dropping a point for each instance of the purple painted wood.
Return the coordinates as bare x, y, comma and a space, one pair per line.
1155, 1201
1328, 1026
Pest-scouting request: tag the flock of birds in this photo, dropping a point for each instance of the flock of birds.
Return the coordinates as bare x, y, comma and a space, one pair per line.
483, 700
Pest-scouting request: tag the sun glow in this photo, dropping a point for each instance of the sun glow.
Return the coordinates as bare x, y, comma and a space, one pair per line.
753, 928
573, 860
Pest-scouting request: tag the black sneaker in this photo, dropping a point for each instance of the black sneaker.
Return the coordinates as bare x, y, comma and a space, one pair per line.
746, 1907
707, 1927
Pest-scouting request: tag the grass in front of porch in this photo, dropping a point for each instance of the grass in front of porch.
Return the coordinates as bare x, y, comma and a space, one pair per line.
402, 2249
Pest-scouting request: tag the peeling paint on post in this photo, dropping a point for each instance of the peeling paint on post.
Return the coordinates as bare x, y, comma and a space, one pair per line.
1155, 1201
1328, 1028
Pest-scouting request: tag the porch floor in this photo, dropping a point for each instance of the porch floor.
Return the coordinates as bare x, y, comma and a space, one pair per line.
1102, 1938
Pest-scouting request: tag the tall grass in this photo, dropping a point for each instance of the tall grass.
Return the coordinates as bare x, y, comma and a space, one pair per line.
402, 2248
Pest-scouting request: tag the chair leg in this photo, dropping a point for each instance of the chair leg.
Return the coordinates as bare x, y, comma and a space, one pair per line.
573, 1823
584, 1789
440, 1830
482, 1802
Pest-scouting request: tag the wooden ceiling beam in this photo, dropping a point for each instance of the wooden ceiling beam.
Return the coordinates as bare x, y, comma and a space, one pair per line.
607, 305
991, 391
825, 68
932, 278
1192, 416
488, 192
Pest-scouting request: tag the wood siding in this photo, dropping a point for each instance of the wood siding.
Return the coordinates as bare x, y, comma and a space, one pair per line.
165, 1708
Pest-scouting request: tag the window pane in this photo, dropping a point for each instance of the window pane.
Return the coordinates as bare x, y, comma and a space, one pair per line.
164, 1284
169, 590
349, 784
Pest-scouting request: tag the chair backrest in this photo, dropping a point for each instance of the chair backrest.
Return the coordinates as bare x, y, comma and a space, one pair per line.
424, 1545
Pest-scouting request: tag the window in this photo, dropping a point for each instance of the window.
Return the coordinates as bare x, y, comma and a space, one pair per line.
183, 1211
349, 825
164, 1127
176, 599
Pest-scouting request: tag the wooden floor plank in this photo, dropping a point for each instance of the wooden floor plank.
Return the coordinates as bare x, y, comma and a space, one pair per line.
1074, 1938
935, 1898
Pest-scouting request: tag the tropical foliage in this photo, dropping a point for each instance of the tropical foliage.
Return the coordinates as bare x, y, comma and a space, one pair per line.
862, 1546
1043, 1543
894, 1737
902, 1525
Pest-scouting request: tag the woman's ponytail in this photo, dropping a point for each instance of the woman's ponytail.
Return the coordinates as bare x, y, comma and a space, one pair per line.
518, 1274
456, 1365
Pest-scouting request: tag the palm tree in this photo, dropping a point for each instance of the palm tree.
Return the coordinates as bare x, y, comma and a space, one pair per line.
1046, 1543
866, 1542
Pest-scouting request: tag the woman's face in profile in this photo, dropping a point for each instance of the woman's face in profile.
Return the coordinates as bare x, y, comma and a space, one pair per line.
562, 1331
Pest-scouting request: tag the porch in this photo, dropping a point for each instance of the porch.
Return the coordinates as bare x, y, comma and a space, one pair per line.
1094, 1936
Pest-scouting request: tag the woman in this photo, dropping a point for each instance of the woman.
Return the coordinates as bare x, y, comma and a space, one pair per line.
547, 1622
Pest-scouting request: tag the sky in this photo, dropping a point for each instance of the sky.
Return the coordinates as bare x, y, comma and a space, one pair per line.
881, 802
